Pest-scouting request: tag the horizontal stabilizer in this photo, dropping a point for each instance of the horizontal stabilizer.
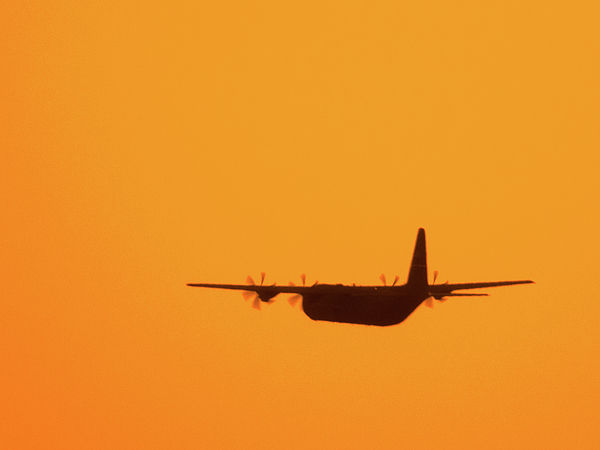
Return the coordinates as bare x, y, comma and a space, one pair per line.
466, 295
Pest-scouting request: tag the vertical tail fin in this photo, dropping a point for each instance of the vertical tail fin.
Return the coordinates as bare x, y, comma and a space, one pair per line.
417, 277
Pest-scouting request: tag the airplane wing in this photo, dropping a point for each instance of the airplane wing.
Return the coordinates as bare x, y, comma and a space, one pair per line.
265, 293
446, 289
260, 293
255, 288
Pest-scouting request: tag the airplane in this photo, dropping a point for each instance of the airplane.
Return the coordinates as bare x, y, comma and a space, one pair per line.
365, 305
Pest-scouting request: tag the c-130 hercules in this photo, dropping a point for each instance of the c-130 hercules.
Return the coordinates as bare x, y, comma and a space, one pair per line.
367, 305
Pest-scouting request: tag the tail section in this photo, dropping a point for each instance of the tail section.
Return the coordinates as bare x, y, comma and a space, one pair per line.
417, 277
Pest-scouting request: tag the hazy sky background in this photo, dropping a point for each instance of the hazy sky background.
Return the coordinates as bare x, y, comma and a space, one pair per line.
145, 145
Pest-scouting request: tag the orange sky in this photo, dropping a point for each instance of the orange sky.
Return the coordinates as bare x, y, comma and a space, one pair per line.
146, 145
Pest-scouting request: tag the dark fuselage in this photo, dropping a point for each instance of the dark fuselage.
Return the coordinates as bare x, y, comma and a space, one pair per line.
381, 309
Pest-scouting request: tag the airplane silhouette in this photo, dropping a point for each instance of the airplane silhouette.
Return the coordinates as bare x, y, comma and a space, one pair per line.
366, 305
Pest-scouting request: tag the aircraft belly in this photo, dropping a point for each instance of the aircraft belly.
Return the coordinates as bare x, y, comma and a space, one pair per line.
365, 310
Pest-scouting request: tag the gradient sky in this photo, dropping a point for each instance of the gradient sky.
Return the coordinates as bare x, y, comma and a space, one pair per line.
145, 145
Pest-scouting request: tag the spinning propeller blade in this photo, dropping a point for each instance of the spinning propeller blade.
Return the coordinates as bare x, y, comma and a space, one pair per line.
294, 298
429, 302
248, 294
253, 294
382, 278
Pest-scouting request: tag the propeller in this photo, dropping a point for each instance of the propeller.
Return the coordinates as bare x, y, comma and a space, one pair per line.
252, 294
435, 275
429, 301
294, 298
382, 278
